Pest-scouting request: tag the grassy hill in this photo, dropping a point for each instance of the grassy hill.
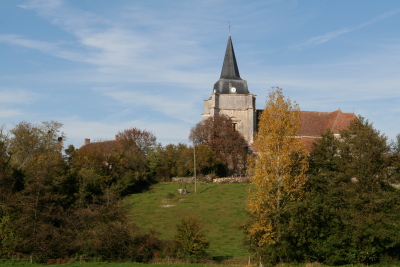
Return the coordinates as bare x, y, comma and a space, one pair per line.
220, 206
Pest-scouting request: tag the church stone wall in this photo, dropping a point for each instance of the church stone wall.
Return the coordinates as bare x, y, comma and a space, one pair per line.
241, 108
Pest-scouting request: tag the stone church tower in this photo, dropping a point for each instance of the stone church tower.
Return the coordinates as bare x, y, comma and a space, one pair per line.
231, 97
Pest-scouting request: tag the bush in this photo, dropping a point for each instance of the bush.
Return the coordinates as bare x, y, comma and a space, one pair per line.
190, 240
147, 246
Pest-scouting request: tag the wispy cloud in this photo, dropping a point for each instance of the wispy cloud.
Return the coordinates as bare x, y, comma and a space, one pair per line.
142, 44
9, 112
174, 107
16, 96
13, 100
333, 34
53, 49
123, 40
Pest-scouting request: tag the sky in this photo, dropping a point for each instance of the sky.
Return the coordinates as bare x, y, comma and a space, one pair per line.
101, 66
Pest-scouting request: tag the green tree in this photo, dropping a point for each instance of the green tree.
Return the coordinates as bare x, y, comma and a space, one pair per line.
122, 164
190, 239
36, 189
350, 211
394, 162
28, 140
52, 207
171, 162
207, 161
278, 172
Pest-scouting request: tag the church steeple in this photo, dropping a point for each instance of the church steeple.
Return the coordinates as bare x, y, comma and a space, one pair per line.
231, 97
230, 69
230, 81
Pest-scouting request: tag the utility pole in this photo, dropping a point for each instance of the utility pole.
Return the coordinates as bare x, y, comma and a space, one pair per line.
194, 161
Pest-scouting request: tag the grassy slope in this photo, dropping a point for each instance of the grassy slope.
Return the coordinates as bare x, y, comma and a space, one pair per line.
220, 206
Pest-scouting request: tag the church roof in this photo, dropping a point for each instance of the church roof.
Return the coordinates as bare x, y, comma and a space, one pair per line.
230, 68
313, 123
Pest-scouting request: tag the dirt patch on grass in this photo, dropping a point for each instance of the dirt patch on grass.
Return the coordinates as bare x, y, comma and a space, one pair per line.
167, 206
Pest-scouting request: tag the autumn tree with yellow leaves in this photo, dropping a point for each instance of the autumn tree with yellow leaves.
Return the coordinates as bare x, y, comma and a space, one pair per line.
278, 172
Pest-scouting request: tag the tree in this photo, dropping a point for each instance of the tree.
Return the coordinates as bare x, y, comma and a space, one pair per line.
36, 191
177, 161
278, 171
123, 164
29, 140
132, 159
144, 141
190, 239
52, 206
394, 161
350, 211
219, 134
169, 161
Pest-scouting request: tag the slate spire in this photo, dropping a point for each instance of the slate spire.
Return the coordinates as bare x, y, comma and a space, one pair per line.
230, 81
230, 68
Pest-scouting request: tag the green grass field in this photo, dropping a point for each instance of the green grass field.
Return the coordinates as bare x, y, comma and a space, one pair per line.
220, 206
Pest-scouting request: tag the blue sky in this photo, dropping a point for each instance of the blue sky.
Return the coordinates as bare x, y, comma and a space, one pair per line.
101, 66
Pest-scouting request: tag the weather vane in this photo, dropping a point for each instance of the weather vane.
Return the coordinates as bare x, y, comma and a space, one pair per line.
229, 28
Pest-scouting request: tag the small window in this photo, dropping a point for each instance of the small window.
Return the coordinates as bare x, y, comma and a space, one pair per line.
234, 126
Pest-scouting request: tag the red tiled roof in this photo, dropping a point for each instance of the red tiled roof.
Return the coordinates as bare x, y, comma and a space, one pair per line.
313, 123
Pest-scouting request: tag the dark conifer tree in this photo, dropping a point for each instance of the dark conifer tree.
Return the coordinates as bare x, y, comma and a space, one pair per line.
351, 209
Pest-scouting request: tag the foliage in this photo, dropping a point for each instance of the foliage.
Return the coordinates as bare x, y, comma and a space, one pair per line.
177, 161
138, 140
395, 145
278, 171
148, 246
350, 212
34, 179
171, 161
394, 162
30, 140
103, 231
163, 161
231, 148
207, 161
52, 206
123, 164
190, 239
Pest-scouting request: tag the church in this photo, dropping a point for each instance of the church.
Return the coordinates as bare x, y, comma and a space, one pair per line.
231, 97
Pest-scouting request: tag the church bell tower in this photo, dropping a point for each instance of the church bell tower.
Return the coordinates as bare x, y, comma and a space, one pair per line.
231, 97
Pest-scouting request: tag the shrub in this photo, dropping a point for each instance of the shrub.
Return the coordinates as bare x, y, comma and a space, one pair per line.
190, 240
